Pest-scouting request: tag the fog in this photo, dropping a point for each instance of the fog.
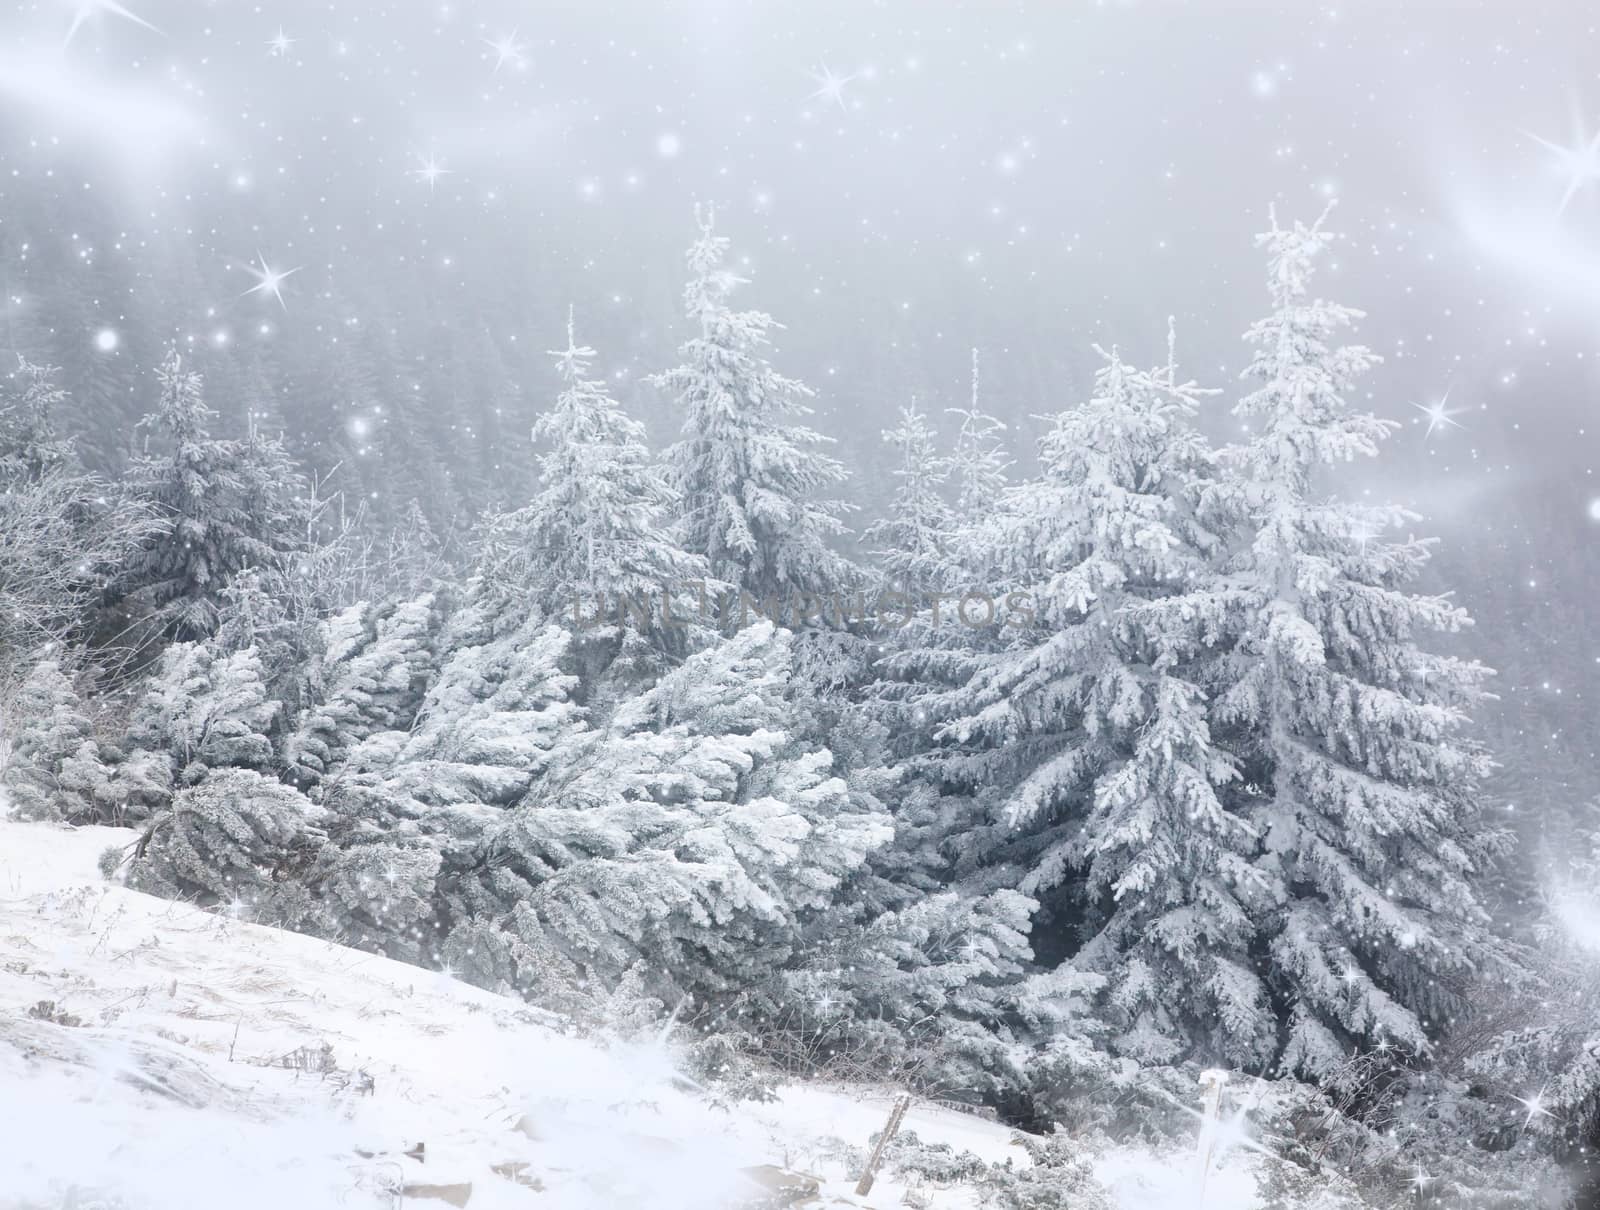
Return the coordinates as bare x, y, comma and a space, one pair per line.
434, 184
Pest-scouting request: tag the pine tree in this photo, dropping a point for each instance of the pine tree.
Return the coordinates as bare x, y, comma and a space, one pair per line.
1167, 876
696, 832
746, 475
221, 507
29, 446
912, 543
54, 770
1347, 735
593, 544
372, 664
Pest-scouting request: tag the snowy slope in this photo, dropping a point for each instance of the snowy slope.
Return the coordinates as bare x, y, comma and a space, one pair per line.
176, 1058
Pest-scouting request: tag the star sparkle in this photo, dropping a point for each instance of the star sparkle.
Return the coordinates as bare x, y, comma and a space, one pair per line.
507, 50
429, 169
279, 44
1440, 414
269, 280
830, 87
1420, 1180
1535, 1107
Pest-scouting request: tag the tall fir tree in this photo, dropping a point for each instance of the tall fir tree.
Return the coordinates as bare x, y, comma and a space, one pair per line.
747, 475
593, 549
1073, 752
1349, 738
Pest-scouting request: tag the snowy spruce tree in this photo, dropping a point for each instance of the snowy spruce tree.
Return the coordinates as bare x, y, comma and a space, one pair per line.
912, 542
239, 840
53, 770
29, 406
594, 549
1346, 735
219, 507
746, 473
484, 732
697, 834
977, 469
1072, 756
205, 709
371, 666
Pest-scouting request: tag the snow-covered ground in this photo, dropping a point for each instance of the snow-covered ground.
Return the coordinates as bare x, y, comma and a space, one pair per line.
153, 1055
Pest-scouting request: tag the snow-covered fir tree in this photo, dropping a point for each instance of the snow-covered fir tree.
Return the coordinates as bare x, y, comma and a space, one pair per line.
372, 666
1167, 891
29, 404
594, 549
219, 507
1348, 737
747, 474
697, 833
1081, 738
53, 770
205, 709
912, 542
485, 730
977, 469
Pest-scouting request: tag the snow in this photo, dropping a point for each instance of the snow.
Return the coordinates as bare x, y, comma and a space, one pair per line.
191, 1074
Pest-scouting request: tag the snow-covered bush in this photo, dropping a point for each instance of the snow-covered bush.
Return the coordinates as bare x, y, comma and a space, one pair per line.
487, 726
697, 832
240, 840
53, 770
205, 709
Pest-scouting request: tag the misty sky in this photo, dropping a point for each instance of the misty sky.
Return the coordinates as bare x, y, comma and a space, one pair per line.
907, 180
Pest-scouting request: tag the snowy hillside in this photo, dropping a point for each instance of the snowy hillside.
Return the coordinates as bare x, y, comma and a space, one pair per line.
155, 1055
